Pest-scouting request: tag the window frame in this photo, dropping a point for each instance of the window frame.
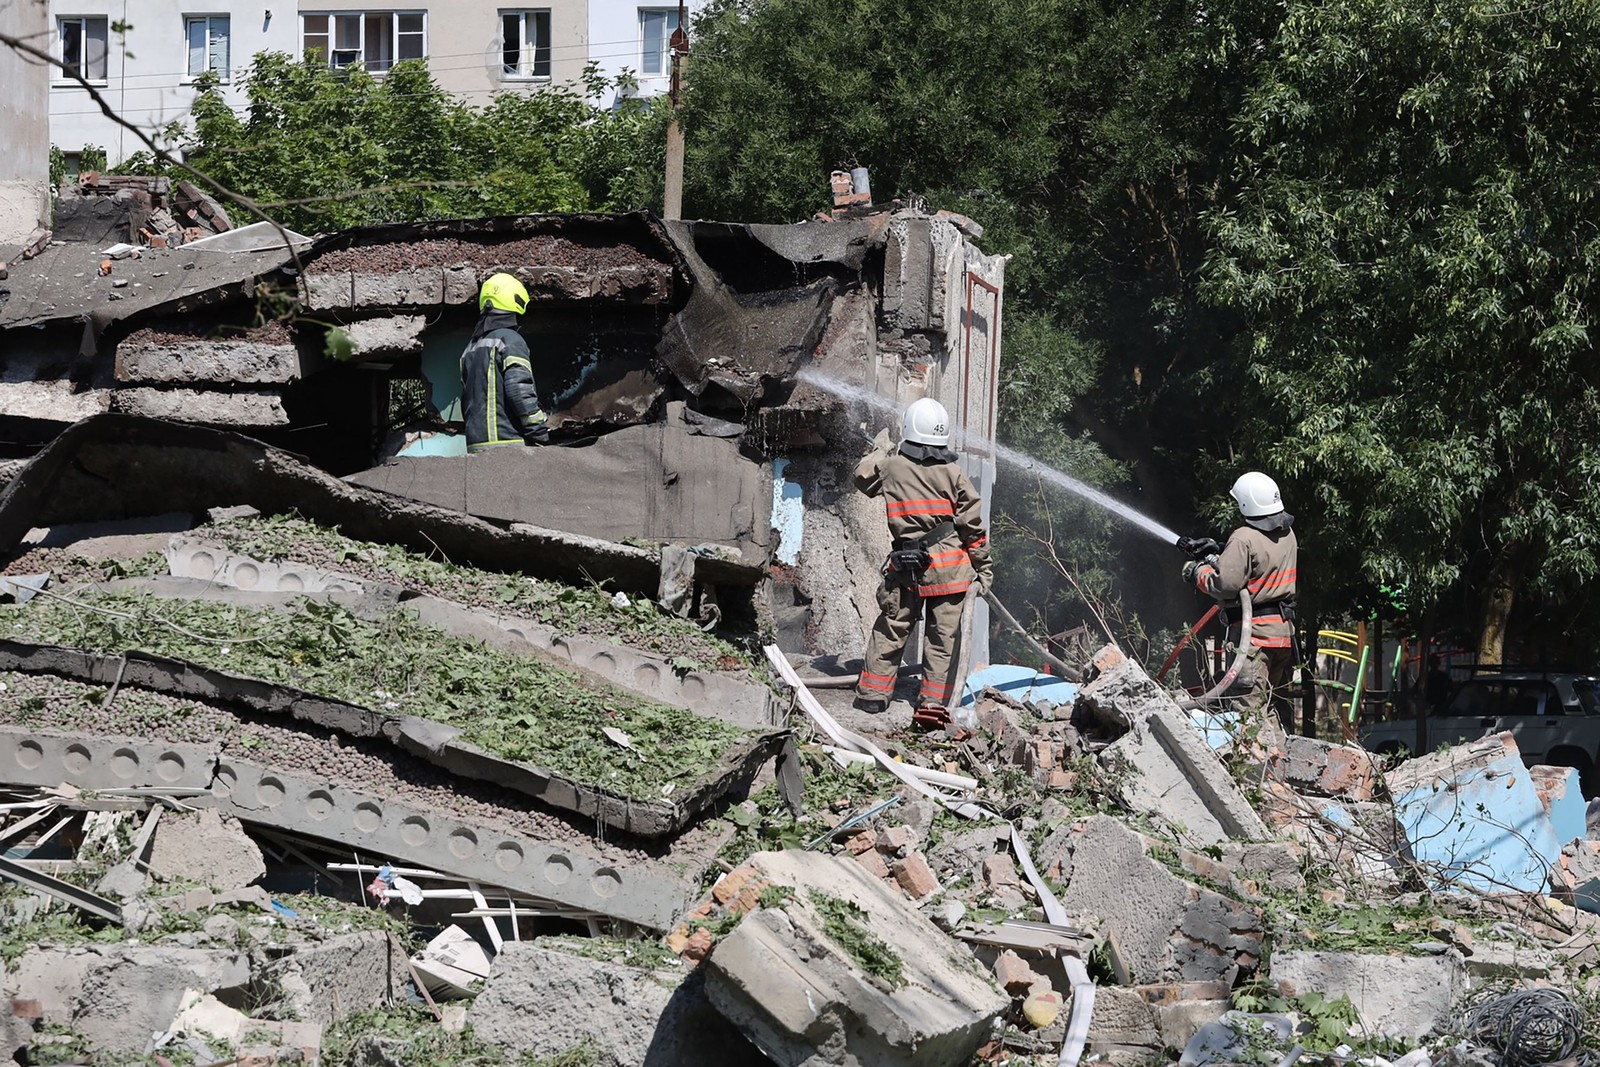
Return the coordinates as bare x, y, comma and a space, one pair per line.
330, 34
670, 15
524, 15
224, 77
83, 21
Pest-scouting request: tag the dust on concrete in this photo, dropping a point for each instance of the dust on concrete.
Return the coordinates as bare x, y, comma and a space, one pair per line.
436, 252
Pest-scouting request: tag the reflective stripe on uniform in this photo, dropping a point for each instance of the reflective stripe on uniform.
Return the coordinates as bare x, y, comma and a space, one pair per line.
899, 508
1270, 582
946, 589
883, 683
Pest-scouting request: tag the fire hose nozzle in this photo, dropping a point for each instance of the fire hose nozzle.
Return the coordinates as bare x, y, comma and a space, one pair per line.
1198, 547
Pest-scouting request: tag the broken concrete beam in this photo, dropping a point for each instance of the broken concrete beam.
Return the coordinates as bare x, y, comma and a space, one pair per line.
149, 357
908, 270
390, 335
628, 1014
1167, 929
580, 876
892, 992
204, 848
52, 400
1396, 996
1473, 817
1176, 774
208, 407
1325, 769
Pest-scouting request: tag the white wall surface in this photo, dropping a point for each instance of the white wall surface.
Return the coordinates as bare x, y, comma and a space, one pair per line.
147, 80
615, 42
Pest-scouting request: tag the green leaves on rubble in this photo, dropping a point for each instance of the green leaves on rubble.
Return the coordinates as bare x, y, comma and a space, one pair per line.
518, 707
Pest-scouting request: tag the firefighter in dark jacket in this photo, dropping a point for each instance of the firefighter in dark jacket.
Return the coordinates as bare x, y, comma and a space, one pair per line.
940, 551
1263, 557
498, 399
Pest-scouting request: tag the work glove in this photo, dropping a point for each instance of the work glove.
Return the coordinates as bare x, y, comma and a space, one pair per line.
883, 442
537, 435
1189, 570
979, 586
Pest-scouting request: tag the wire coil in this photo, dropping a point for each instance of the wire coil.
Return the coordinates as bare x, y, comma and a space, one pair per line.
1528, 1027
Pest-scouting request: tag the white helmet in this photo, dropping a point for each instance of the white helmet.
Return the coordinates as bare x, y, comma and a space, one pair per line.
1257, 495
926, 423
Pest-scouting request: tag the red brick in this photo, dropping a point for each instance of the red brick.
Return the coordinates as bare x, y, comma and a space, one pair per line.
1015, 976
732, 883
746, 901
873, 863
865, 841
1000, 871
678, 940
894, 839
26, 1008
1108, 657
915, 877
699, 946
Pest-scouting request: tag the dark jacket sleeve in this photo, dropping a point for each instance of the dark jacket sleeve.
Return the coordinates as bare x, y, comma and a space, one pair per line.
516, 371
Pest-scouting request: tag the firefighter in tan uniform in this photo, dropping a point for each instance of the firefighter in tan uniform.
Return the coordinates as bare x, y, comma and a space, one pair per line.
1261, 556
940, 551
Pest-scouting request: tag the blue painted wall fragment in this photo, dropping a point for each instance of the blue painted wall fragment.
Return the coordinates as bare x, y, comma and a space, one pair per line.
1484, 829
1217, 726
1019, 683
788, 513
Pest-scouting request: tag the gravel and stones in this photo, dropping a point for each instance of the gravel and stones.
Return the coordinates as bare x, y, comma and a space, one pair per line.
452, 252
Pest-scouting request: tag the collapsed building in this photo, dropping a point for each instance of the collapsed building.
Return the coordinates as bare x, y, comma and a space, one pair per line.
273, 627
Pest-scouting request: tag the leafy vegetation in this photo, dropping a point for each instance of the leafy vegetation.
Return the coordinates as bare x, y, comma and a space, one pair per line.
410, 1037
845, 923
327, 149
564, 608
515, 706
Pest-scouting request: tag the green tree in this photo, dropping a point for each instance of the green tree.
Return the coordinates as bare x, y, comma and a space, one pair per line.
339, 148
1414, 243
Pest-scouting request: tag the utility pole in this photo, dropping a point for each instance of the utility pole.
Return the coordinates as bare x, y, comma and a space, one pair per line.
672, 201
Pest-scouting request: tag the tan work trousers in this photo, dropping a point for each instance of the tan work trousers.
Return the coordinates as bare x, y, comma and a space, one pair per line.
1269, 672
899, 608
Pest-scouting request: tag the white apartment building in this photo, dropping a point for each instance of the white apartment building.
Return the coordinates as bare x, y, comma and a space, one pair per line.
143, 56
633, 36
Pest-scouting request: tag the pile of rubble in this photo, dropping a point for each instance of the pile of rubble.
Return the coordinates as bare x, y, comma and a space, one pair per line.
140, 210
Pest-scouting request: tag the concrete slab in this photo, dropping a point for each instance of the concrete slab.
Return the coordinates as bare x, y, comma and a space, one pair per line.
1322, 768
119, 466
727, 699
1167, 929
656, 482
632, 1015
1178, 775
1473, 817
430, 741
209, 407
151, 357
352, 972
1396, 996
786, 982
599, 879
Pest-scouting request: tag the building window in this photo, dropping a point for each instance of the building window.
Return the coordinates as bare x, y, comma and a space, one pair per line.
525, 51
655, 32
374, 40
83, 47
208, 44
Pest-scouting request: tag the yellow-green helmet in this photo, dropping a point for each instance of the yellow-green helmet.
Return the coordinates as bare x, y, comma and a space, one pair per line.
503, 293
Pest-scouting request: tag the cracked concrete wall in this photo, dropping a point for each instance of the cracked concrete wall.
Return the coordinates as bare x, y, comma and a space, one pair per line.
25, 116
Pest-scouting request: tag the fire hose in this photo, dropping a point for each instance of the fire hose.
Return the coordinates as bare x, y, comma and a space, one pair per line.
1227, 680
